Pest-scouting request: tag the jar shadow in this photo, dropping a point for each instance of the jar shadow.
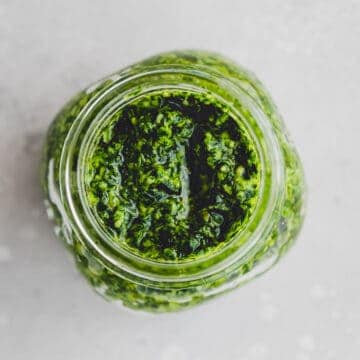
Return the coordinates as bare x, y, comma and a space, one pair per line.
29, 195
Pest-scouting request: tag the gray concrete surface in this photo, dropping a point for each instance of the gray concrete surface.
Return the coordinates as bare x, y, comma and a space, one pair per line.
308, 55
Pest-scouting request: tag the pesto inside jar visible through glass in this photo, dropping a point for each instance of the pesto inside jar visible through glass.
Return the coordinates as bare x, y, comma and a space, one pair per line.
171, 175
173, 180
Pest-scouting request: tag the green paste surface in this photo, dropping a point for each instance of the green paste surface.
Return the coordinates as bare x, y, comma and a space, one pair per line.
172, 175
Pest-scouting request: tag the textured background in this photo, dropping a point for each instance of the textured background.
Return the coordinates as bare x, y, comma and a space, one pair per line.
308, 55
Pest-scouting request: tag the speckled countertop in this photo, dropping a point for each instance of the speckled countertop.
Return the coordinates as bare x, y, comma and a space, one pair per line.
308, 55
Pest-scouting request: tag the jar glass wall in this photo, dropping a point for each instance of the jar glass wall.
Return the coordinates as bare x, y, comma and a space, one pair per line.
162, 260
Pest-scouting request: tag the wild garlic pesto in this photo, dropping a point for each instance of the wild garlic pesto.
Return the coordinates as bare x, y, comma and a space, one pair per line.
171, 174
173, 180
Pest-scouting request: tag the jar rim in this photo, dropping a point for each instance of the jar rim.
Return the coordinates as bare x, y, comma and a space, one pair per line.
270, 196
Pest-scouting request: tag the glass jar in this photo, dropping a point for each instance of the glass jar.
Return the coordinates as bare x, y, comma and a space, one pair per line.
149, 284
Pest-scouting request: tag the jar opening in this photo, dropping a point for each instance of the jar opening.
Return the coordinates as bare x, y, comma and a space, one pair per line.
105, 159
170, 176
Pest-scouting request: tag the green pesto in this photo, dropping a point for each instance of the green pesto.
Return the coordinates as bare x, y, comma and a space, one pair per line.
171, 174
